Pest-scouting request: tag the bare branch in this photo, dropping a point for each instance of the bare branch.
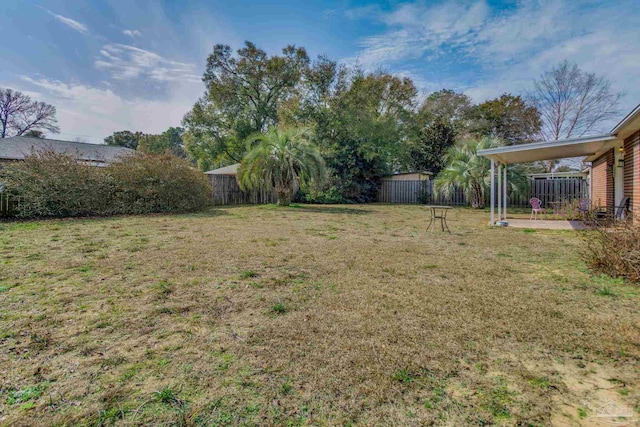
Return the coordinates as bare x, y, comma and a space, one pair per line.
19, 114
572, 102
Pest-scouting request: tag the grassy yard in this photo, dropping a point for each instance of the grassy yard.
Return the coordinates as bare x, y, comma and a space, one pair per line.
310, 315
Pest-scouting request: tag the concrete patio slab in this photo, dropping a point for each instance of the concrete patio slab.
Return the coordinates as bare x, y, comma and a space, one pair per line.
545, 224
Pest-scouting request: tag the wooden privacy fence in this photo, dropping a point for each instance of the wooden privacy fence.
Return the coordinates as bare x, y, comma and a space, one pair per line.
8, 204
552, 190
226, 191
547, 190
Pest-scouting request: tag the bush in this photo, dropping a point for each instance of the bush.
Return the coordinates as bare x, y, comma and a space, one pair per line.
51, 184
56, 185
330, 195
158, 183
615, 250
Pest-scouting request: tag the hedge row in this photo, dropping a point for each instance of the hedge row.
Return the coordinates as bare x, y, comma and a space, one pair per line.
51, 184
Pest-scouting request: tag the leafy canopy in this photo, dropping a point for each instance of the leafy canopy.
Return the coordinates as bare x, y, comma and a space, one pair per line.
244, 94
509, 118
124, 138
365, 125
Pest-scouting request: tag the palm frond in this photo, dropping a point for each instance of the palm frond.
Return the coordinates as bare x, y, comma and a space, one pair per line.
280, 159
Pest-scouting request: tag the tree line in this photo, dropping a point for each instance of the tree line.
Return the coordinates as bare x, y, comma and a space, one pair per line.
364, 124
369, 124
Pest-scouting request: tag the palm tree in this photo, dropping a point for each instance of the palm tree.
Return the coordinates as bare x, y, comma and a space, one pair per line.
280, 160
466, 170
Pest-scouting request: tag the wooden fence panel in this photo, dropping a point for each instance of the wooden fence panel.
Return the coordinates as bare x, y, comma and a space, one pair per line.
547, 190
226, 191
8, 205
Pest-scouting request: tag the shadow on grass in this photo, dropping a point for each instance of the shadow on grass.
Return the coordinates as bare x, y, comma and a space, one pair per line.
19, 222
330, 209
327, 209
208, 213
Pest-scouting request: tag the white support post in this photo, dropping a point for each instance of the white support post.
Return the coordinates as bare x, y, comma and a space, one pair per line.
504, 183
493, 191
499, 191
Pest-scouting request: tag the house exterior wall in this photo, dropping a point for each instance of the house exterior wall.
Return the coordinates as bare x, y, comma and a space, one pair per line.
632, 172
602, 188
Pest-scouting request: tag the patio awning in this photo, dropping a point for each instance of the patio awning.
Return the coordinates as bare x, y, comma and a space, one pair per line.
590, 147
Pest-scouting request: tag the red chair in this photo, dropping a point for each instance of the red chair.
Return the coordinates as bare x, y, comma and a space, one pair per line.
536, 206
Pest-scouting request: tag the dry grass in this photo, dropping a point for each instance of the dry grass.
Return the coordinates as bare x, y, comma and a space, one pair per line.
306, 316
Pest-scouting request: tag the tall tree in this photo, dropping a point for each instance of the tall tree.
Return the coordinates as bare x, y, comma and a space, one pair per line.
244, 92
509, 118
361, 129
572, 102
280, 160
19, 114
210, 138
170, 141
173, 135
150, 143
427, 150
124, 138
443, 117
448, 107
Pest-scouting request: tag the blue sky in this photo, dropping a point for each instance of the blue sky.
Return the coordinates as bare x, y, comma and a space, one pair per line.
110, 65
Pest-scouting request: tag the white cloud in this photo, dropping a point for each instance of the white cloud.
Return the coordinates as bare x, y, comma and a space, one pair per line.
132, 33
416, 29
503, 50
95, 112
128, 62
370, 11
71, 23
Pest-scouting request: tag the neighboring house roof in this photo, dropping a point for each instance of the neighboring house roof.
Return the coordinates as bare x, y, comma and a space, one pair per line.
19, 147
408, 176
227, 170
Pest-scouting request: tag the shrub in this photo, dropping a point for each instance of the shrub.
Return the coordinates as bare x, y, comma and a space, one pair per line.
615, 250
51, 184
330, 195
158, 183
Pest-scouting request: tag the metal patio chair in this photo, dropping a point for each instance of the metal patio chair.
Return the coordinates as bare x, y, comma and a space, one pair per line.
536, 207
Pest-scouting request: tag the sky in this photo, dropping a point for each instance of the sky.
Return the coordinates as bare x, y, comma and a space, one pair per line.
110, 65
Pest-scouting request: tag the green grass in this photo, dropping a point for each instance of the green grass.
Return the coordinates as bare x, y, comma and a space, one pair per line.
26, 394
248, 274
279, 308
258, 316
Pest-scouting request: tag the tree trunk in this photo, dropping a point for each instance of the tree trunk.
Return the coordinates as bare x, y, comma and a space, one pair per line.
284, 197
477, 198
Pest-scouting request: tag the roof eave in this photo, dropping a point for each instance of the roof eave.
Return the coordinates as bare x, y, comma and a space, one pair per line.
628, 118
498, 153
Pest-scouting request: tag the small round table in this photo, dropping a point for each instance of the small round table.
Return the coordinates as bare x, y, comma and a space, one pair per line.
439, 212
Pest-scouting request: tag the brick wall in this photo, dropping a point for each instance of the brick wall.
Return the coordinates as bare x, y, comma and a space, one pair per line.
632, 172
602, 190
